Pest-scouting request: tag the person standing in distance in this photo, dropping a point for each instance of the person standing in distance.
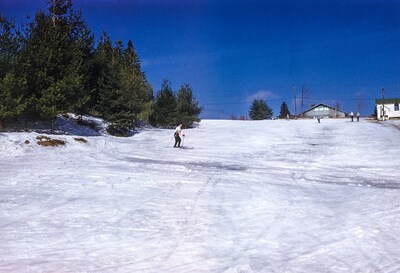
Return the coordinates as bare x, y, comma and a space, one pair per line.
177, 135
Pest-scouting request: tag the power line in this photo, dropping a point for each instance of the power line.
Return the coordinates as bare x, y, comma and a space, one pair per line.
242, 102
350, 99
289, 98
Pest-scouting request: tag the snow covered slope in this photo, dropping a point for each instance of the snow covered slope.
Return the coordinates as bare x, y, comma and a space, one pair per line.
244, 196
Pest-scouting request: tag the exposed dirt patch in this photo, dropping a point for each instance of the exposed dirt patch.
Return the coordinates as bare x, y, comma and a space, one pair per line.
46, 141
80, 139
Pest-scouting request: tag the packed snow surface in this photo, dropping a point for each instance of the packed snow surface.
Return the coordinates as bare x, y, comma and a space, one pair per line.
244, 196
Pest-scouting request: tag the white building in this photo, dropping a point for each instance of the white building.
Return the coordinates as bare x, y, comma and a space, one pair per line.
323, 111
391, 108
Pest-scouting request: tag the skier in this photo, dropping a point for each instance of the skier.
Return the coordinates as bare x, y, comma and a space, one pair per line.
177, 135
358, 116
351, 116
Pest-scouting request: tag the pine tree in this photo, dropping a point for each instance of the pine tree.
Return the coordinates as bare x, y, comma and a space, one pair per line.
134, 82
103, 77
188, 109
8, 46
84, 39
374, 113
11, 99
165, 106
260, 110
107, 79
52, 61
121, 91
122, 105
12, 85
284, 110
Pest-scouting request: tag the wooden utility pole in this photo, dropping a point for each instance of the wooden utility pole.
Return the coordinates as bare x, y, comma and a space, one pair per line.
383, 103
294, 90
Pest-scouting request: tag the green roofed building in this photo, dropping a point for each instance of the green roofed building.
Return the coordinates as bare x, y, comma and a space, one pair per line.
390, 106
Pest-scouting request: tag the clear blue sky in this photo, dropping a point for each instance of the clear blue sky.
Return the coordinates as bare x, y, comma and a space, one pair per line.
233, 51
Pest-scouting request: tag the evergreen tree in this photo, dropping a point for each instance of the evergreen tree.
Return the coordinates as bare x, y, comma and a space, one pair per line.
284, 110
165, 106
188, 109
122, 108
114, 103
8, 46
122, 92
52, 61
260, 110
85, 42
106, 80
11, 99
12, 85
134, 82
102, 77
374, 113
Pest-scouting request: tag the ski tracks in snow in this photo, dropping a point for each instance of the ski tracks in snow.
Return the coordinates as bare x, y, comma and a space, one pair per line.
190, 222
287, 200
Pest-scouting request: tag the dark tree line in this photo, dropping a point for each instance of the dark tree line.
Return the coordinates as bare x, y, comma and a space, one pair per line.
51, 66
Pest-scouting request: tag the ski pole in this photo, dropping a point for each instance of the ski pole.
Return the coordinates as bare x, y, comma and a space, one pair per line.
183, 140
